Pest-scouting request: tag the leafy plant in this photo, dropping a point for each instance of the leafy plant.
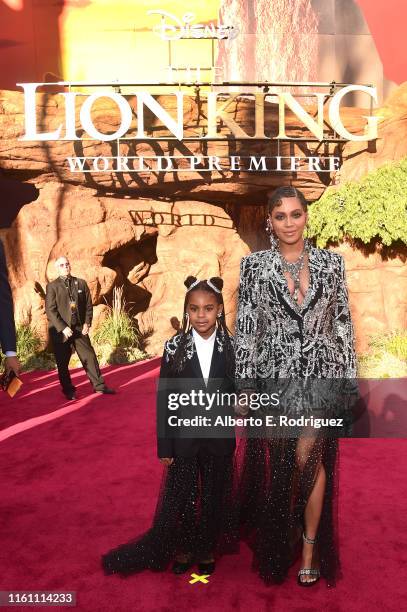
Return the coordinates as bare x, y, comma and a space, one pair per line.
28, 349
387, 356
28, 340
107, 355
117, 339
397, 346
117, 328
373, 208
39, 361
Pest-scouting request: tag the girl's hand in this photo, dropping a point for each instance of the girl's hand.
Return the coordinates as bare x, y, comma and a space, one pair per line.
167, 460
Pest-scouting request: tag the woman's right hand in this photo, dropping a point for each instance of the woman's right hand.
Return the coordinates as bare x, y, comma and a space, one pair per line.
167, 461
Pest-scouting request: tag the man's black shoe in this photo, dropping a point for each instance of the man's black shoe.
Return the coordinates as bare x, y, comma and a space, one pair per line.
105, 391
71, 395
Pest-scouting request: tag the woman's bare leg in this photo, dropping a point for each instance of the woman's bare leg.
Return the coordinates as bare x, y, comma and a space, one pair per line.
312, 516
314, 504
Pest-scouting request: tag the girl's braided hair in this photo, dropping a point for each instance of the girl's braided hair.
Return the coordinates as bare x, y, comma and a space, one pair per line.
178, 361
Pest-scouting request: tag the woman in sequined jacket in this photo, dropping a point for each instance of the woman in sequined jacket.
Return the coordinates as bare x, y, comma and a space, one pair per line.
294, 334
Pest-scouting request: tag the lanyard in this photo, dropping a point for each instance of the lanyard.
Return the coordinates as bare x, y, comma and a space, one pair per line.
72, 301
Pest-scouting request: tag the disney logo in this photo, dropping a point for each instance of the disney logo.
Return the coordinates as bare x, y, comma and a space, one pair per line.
172, 28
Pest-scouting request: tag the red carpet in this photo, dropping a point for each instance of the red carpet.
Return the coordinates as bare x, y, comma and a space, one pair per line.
83, 481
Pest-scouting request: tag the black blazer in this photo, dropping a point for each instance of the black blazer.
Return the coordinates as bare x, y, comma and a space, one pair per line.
7, 327
187, 441
58, 309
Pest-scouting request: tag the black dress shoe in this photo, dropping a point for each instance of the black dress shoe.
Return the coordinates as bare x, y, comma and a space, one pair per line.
181, 568
105, 391
206, 568
71, 395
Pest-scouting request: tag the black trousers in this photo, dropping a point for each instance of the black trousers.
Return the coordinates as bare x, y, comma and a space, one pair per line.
87, 356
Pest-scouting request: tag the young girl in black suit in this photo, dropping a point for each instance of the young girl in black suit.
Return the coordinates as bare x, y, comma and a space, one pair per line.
195, 519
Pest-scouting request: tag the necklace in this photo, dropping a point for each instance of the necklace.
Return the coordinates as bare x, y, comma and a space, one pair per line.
294, 270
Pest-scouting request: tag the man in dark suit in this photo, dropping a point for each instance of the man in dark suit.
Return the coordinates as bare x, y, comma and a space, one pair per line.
7, 327
68, 305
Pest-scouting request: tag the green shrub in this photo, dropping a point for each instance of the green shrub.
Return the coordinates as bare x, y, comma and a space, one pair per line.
117, 329
394, 343
397, 346
39, 361
107, 355
28, 349
375, 208
28, 340
387, 357
117, 339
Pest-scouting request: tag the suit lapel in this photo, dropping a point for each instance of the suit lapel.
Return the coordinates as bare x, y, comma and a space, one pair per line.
73, 285
315, 286
217, 361
74, 289
280, 281
63, 291
194, 361
217, 369
195, 365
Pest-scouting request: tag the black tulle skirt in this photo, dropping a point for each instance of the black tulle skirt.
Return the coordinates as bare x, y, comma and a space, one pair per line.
277, 478
196, 514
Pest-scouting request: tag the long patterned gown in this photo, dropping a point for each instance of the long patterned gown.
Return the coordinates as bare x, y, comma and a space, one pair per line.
306, 354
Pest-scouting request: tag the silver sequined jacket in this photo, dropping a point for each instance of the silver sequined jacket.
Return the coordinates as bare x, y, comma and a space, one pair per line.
276, 338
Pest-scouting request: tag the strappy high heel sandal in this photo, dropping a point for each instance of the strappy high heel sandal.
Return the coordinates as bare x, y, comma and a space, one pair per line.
308, 571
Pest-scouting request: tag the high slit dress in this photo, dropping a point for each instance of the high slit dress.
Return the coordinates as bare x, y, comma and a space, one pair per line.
305, 354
